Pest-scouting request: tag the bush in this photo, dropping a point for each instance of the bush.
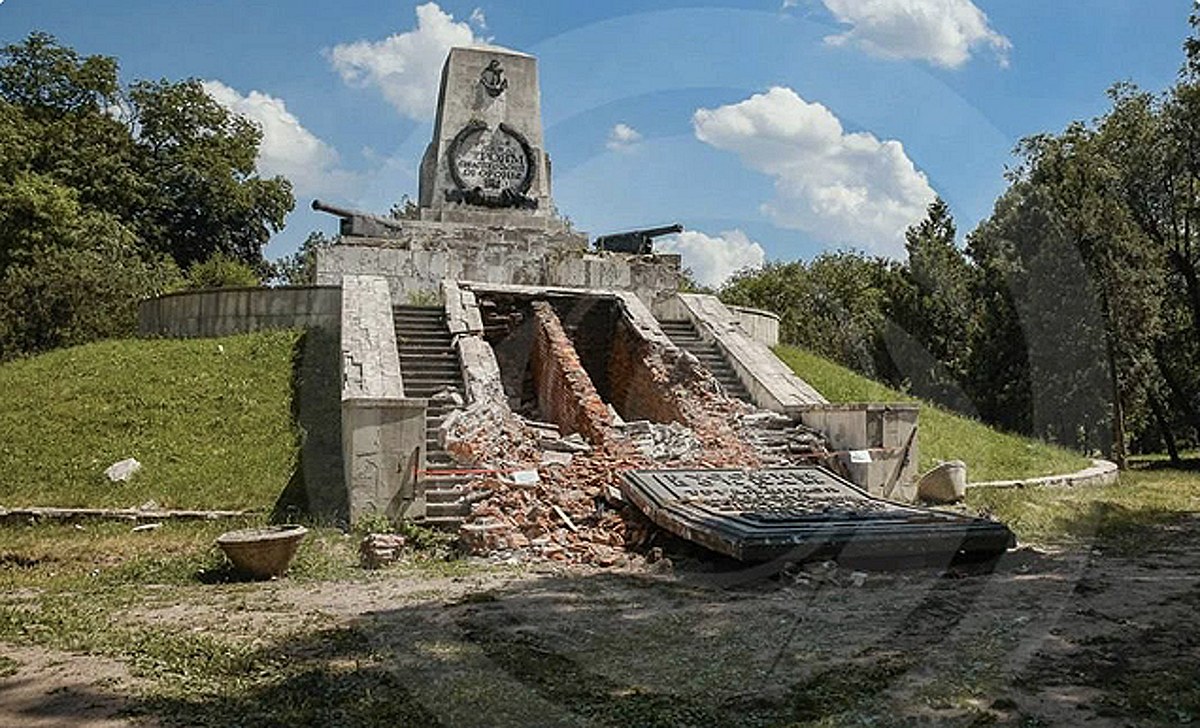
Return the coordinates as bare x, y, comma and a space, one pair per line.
222, 271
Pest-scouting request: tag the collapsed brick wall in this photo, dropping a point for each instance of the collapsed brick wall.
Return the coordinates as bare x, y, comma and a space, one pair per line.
589, 322
566, 395
639, 391
664, 384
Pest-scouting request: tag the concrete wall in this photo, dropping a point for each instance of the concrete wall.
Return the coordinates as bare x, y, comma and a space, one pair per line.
228, 311
762, 326
383, 432
877, 443
416, 263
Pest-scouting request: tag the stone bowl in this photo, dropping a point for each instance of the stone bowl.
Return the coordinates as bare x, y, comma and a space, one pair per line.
262, 552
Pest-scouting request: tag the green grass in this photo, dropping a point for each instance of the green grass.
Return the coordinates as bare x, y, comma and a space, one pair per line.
1124, 518
209, 419
943, 435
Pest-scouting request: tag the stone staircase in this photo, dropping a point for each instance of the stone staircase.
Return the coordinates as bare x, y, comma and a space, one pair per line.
430, 368
684, 335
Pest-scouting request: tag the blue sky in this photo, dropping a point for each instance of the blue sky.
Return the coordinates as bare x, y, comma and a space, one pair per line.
773, 129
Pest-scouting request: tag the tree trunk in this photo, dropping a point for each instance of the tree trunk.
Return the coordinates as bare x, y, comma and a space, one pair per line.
1164, 428
1191, 281
1180, 397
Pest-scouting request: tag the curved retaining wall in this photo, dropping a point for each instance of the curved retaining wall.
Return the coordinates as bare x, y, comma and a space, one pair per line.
762, 326
227, 311
1101, 473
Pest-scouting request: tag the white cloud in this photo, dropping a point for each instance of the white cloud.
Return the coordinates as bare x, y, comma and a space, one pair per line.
287, 148
713, 259
406, 67
840, 188
942, 32
622, 137
478, 19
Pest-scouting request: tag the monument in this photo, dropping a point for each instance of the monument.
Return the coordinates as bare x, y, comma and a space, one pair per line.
485, 207
487, 162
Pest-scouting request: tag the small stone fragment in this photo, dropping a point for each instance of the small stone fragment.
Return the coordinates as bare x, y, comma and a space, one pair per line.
123, 470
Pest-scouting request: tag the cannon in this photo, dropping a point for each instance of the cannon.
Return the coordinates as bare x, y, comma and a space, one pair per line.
640, 242
360, 224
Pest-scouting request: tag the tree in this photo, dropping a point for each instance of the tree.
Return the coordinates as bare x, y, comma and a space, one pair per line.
207, 198
106, 192
834, 306
933, 302
300, 268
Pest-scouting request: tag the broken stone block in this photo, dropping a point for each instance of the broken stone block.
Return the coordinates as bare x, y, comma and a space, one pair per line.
551, 457
947, 483
573, 443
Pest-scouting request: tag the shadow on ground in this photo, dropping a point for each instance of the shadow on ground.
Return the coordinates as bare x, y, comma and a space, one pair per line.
620, 649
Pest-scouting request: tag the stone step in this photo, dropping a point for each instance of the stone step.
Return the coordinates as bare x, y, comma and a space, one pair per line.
421, 363
419, 310
448, 372
428, 354
442, 523
431, 330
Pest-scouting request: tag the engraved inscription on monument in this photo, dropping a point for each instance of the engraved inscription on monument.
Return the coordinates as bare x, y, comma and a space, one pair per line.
491, 167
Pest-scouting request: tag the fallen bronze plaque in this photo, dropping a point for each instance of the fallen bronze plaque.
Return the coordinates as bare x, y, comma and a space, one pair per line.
802, 513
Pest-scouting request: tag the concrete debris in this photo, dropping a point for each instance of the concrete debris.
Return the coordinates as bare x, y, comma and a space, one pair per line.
780, 440
380, 549
448, 396
552, 457
574, 511
824, 574
663, 443
525, 478
573, 443
123, 470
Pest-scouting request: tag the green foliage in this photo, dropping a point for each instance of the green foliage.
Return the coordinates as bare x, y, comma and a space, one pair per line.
201, 157
42, 75
208, 419
934, 305
833, 305
405, 209
104, 194
300, 268
222, 271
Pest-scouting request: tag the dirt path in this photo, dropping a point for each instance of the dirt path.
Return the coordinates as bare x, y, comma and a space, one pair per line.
1042, 638
45, 688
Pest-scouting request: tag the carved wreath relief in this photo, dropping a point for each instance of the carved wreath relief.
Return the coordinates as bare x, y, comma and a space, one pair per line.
491, 167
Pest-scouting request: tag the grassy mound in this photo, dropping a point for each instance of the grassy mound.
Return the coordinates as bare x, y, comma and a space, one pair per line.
209, 419
988, 453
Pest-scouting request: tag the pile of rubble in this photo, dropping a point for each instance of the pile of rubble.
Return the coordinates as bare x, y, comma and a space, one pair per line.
555, 496
780, 441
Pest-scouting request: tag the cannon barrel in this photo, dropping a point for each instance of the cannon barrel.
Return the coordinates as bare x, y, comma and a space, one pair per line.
635, 241
664, 230
360, 224
334, 210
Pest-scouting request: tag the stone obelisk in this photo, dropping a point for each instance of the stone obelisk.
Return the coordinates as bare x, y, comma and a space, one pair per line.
487, 162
